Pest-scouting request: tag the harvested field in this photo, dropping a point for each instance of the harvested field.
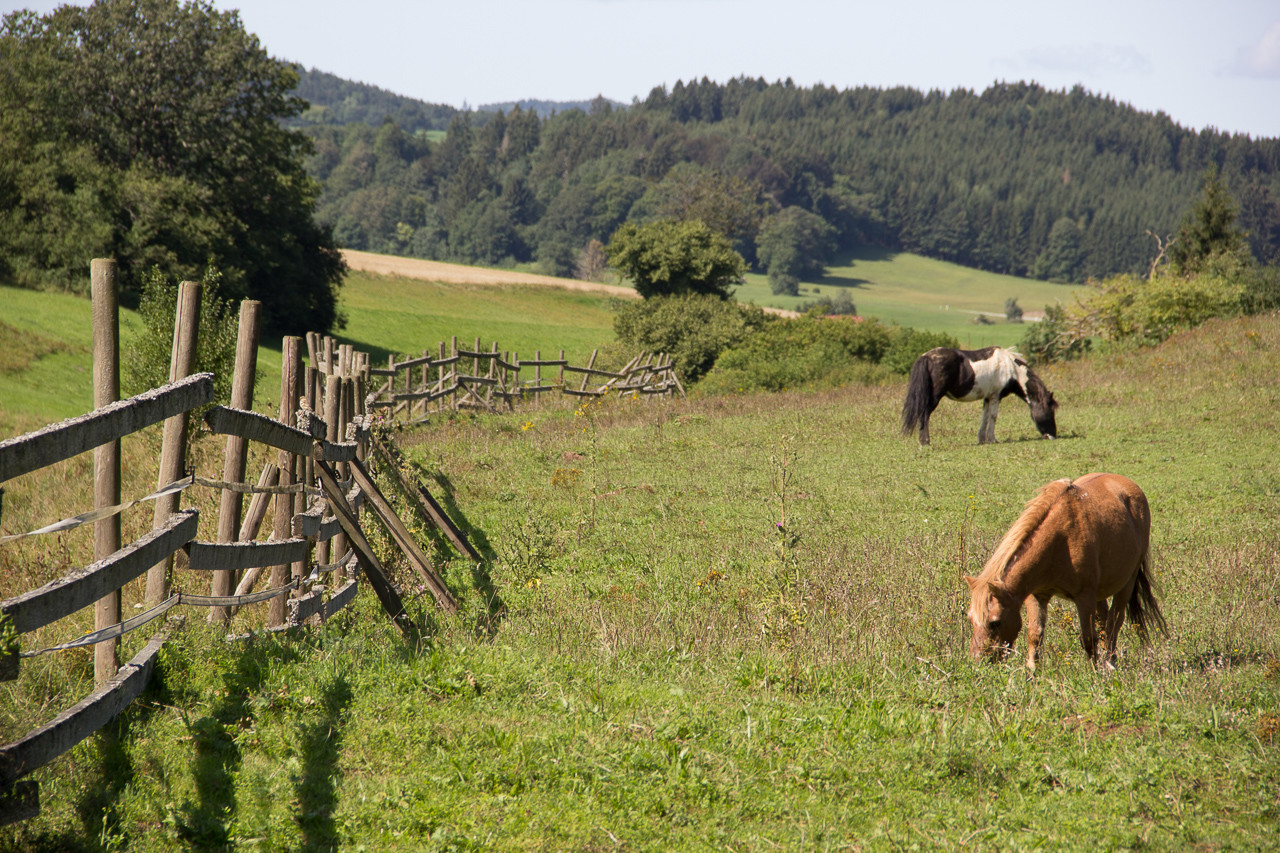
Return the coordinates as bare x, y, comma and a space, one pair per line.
459, 274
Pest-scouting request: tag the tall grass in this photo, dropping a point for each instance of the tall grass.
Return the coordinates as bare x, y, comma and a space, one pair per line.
737, 623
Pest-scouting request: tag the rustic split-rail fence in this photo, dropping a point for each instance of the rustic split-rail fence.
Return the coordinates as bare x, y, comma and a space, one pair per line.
495, 380
319, 485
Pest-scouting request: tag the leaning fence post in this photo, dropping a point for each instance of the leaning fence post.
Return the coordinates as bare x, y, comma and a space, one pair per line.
233, 465
173, 450
290, 371
106, 457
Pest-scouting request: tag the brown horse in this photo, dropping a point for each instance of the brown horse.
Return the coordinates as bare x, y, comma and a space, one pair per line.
1087, 540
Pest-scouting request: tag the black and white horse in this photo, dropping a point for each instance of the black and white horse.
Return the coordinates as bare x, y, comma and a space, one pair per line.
966, 375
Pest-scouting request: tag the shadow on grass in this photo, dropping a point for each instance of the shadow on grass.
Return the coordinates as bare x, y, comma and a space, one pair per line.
320, 744
481, 581
205, 824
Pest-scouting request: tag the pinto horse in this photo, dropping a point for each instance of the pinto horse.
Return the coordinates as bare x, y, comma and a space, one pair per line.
1086, 540
966, 375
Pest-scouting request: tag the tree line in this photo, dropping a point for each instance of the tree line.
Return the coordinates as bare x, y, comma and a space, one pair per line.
1057, 185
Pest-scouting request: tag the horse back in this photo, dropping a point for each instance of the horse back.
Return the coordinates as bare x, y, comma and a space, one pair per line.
1117, 521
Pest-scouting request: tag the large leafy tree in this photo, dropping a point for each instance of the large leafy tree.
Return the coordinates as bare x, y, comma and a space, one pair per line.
668, 257
794, 244
149, 131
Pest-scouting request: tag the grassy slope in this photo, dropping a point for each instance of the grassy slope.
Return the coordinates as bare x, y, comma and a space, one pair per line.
642, 663
384, 315
391, 314
924, 293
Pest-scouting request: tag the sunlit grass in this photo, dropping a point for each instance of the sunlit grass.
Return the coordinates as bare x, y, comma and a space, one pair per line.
646, 660
923, 293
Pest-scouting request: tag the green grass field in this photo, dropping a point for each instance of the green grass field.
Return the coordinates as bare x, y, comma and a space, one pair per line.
404, 316
730, 623
914, 291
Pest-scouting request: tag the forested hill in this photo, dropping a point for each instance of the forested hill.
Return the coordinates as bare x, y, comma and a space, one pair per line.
337, 101
1015, 179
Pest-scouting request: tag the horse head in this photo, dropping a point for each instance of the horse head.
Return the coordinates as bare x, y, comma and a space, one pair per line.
1043, 406
996, 619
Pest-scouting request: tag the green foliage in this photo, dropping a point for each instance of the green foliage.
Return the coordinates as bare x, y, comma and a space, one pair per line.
818, 351
840, 304
1063, 255
794, 244
1051, 339
1130, 311
1006, 180
1208, 229
1012, 310
334, 101
728, 204
150, 353
669, 258
148, 131
692, 328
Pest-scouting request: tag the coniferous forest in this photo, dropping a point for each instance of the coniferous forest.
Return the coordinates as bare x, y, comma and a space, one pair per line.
1058, 185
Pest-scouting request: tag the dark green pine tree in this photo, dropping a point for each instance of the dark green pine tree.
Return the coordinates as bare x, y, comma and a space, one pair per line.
1209, 227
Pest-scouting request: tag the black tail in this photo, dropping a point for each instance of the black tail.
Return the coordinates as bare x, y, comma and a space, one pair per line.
919, 403
1144, 610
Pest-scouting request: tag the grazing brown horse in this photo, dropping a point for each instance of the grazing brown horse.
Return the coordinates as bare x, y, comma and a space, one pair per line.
1087, 540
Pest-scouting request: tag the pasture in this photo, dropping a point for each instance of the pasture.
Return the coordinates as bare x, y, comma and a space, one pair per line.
737, 623
915, 291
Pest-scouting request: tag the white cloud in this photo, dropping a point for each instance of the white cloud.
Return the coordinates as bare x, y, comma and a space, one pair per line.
1087, 60
1263, 59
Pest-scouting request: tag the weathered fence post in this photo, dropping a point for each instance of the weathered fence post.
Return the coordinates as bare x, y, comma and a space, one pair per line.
233, 465
332, 415
290, 377
106, 457
173, 452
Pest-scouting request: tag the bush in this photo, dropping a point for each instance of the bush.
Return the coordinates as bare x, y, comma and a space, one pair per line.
1129, 311
1051, 339
817, 351
691, 328
147, 366
841, 305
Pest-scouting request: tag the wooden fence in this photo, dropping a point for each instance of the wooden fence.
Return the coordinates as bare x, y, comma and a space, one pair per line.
319, 484
495, 380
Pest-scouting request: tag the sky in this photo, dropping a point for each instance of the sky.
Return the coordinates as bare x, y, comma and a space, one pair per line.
1204, 64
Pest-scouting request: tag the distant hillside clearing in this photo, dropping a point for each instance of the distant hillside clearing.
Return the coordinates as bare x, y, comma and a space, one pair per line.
458, 274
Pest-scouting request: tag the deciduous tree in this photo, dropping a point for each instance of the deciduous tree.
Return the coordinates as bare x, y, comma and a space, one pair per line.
149, 131
667, 257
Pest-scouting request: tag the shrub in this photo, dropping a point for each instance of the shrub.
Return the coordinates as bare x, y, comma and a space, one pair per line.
1129, 311
148, 364
1051, 338
691, 328
817, 351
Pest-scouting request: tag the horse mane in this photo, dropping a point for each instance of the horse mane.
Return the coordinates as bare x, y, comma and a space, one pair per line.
1032, 515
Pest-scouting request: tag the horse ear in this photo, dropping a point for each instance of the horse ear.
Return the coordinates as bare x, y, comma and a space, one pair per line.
997, 588
971, 581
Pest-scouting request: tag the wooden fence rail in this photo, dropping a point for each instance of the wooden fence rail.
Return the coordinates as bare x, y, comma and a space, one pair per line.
488, 381
319, 485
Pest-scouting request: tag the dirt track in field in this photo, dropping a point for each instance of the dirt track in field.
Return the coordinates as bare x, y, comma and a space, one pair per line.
458, 274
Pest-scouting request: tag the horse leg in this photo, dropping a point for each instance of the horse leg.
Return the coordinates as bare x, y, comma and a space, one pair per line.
924, 430
1086, 608
1115, 619
1037, 613
987, 431
1100, 623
